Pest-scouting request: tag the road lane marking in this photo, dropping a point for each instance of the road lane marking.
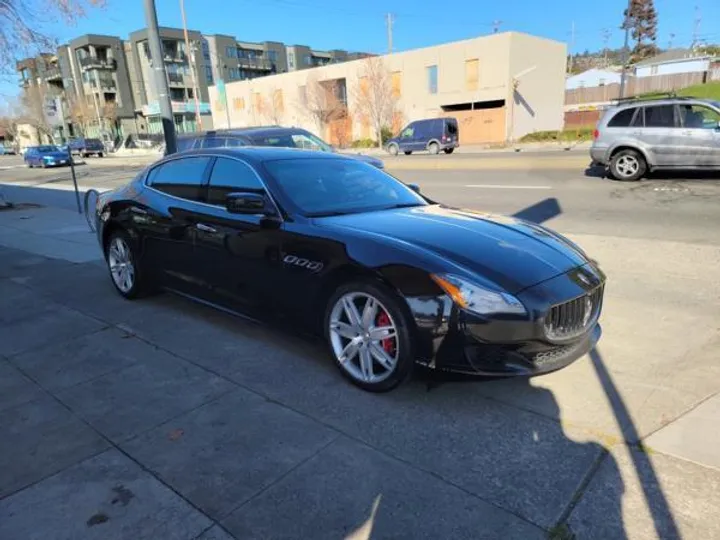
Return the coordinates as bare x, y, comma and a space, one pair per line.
501, 186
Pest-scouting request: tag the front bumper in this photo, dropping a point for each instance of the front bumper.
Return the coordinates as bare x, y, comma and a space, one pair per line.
453, 339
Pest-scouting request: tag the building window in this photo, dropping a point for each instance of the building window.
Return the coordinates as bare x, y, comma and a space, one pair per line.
208, 74
471, 74
432, 79
233, 74
396, 84
308, 60
272, 56
206, 49
231, 52
291, 59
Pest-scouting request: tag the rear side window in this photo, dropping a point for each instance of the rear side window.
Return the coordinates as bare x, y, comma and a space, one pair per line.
660, 116
180, 177
212, 142
451, 127
233, 143
622, 118
185, 144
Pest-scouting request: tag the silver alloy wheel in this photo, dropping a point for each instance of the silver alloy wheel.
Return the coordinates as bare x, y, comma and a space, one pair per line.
358, 343
627, 166
121, 265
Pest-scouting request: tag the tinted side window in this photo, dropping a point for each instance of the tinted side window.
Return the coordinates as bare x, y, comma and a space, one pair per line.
185, 144
229, 176
451, 127
623, 118
660, 116
180, 177
233, 143
212, 142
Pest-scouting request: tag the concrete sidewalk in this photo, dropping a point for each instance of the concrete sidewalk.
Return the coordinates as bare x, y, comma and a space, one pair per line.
162, 418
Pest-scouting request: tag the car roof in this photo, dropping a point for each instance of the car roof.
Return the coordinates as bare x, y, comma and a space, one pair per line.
258, 154
242, 132
664, 101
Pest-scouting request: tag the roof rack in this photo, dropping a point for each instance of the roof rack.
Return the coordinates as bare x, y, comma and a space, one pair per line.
655, 96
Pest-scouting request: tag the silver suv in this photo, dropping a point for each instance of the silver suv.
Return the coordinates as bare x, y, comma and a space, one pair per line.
640, 135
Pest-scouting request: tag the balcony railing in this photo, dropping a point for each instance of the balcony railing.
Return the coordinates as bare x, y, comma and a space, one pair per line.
255, 63
105, 84
176, 79
179, 57
93, 62
52, 74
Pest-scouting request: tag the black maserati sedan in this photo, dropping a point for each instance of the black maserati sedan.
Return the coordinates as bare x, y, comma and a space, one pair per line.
390, 278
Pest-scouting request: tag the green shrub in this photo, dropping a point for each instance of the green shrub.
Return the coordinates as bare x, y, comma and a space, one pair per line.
386, 133
363, 143
567, 135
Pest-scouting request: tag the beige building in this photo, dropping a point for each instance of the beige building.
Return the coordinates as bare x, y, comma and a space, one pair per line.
499, 87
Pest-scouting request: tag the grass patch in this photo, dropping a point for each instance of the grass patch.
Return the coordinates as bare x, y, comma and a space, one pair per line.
565, 135
709, 90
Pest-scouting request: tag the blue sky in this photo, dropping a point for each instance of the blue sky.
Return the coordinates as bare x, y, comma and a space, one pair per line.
325, 24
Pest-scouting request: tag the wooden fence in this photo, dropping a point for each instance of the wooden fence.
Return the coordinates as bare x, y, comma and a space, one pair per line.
635, 86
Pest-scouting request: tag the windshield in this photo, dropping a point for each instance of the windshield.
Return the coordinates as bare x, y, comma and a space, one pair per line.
324, 187
293, 139
48, 148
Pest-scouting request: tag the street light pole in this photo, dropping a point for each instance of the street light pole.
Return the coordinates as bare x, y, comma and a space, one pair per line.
623, 74
161, 84
191, 56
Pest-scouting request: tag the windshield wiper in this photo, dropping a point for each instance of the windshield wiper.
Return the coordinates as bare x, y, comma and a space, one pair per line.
402, 205
327, 214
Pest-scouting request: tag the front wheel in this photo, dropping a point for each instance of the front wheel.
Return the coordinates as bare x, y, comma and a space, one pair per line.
628, 166
393, 149
369, 336
100, 154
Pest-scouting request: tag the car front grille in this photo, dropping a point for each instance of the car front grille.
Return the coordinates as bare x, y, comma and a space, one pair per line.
571, 319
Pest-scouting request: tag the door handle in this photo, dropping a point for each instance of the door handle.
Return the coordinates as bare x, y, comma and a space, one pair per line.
205, 228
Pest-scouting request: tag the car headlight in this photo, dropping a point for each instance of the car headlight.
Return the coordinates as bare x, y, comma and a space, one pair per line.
476, 298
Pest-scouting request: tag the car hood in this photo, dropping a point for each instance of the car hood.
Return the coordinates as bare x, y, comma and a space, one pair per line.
367, 159
512, 253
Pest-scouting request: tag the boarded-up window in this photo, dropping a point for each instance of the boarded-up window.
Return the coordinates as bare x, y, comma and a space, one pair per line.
278, 101
364, 86
302, 91
238, 103
471, 74
258, 102
396, 84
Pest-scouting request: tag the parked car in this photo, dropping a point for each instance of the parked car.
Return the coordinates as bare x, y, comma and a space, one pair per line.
87, 147
638, 136
433, 135
344, 249
7, 150
264, 136
45, 156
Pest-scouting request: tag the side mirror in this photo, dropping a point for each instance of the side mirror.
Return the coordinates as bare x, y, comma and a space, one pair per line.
414, 187
245, 203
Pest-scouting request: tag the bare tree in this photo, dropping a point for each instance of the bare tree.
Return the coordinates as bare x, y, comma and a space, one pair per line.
82, 114
275, 107
375, 98
320, 101
22, 25
34, 106
109, 115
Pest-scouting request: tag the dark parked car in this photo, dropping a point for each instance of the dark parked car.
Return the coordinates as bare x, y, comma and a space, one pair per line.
264, 136
433, 135
45, 156
389, 277
87, 147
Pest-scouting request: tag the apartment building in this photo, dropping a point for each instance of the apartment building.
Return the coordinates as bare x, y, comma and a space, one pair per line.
499, 87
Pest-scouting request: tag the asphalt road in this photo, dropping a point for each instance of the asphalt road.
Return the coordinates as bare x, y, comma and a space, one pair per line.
682, 208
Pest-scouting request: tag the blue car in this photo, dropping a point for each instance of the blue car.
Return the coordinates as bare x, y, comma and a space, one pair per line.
45, 156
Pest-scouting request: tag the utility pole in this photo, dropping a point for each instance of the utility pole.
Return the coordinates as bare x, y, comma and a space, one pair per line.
390, 22
696, 28
572, 47
606, 38
191, 60
161, 83
626, 25
496, 26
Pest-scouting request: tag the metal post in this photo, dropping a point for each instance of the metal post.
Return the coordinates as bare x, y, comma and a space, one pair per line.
74, 178
191, 56
626, 24
161, 84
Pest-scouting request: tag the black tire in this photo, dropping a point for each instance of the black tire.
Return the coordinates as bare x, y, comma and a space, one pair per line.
400, 315
449, 150
407, 152
100, 154
84, 155
142, 284
433, 148
622, 160
393, 149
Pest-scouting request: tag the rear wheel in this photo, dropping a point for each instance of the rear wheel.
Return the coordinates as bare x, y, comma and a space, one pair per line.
408, 152
628, 166
433, 148
393, 149
449, 150
369, 336
123, 263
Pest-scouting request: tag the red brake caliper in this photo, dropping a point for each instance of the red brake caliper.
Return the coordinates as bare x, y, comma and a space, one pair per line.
388, 344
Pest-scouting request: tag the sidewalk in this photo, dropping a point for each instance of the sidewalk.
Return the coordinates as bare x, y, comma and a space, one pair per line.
162, 418
485, 149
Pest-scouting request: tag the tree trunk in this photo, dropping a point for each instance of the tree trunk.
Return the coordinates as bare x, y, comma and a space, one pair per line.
378, 134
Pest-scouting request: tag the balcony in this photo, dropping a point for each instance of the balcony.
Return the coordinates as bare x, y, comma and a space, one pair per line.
103, 84
176, 79
53, 74
255, 63
178, 57
92, 62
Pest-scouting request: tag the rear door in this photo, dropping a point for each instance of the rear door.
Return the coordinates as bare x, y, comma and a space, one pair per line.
661, 134
701, 135
169, 227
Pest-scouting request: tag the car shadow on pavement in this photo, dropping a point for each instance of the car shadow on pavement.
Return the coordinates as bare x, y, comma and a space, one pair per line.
600, 172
